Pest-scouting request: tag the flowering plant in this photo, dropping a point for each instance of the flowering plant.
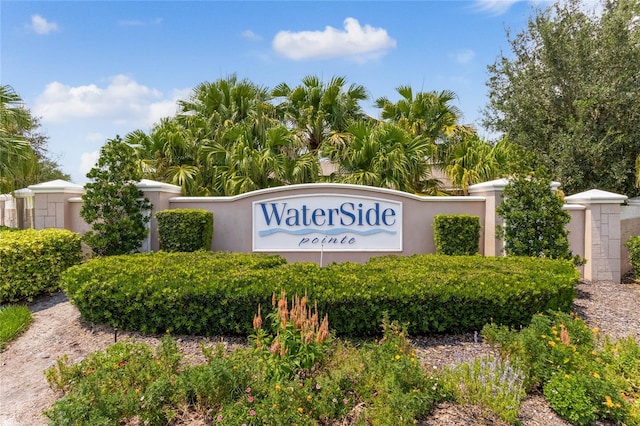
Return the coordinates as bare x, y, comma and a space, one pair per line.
296, 341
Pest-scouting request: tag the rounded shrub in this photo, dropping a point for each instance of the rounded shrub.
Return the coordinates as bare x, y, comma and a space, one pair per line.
31, 262
456, 234
217, 293
185, 229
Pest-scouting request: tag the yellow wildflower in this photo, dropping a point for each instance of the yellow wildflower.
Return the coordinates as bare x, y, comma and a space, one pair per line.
552, 343
300, 410
608, 402
596, 375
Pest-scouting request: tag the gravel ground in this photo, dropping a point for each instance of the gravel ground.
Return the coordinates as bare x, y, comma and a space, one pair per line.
58, 330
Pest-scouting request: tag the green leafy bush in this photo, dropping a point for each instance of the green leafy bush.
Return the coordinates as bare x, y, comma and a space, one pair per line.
31, 262
8, 228
113, 205
633, 243
559, 354
215, 293
185, 229
456, 234
535, 221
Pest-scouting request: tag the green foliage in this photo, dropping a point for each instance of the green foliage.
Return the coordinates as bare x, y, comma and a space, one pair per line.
31, 262
572, 105
535, 221
125, 380
14, 319
633, 243
559, 354
384, 380
185, 229
215, 293
8, 228
457, 234
113, 205
488, 382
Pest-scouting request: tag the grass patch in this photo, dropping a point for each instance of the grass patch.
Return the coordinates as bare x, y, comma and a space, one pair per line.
13, 320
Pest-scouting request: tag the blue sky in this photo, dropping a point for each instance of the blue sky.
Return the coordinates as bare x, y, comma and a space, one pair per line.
95, 69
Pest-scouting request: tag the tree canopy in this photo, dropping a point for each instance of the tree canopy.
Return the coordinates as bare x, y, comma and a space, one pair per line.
23, 149
569, 93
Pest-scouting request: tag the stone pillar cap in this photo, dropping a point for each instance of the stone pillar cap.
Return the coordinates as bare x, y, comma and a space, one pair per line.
155, 186
57, 185
595, 196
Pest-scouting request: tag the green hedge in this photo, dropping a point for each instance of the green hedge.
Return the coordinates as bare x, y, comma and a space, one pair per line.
185, 229
218, 293
633, 244
456, 234
31, 262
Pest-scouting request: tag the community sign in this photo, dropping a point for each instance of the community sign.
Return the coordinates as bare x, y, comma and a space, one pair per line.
327, 222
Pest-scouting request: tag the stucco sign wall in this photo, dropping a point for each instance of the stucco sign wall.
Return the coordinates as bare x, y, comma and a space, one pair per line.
327, 222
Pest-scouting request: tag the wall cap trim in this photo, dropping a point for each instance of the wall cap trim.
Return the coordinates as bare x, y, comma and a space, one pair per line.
326, 188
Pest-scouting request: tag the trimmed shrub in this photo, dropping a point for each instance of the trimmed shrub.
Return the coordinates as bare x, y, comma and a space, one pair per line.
456, 234
633, 243
185, 229
217, 293
8, 228
31, 262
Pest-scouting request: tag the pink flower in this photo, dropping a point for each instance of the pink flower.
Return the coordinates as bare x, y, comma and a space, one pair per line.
250, 399
219, 417
252, 412
248, 390
346, 401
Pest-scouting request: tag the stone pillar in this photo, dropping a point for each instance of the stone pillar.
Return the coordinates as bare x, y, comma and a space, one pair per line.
158, 193
51, 206
601, 233
492, 192
24, 207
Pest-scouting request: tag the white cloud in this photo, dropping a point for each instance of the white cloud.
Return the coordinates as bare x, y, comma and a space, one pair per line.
464, 56
494, 7
250, 35
87, 161
358, 42
41, 26
121, 101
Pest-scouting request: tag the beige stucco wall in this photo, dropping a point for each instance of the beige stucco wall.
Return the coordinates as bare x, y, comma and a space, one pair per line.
233, 218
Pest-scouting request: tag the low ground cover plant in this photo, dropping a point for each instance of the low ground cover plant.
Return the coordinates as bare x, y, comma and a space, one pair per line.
31, 262
583, 379
14, 320
214, 293
317, 379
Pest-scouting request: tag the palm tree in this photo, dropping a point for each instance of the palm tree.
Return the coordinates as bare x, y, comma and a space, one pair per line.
428, 114
315, 109
15, 150
472, 160
384, 155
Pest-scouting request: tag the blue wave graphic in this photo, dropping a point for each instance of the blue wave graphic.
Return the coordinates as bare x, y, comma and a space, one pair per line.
336, 231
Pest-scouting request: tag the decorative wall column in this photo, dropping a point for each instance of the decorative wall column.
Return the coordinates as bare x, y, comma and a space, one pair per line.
158, 194
492, 191
51, 203
601, 234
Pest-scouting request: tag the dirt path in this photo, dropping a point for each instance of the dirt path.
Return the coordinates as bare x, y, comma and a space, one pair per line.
56, 330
